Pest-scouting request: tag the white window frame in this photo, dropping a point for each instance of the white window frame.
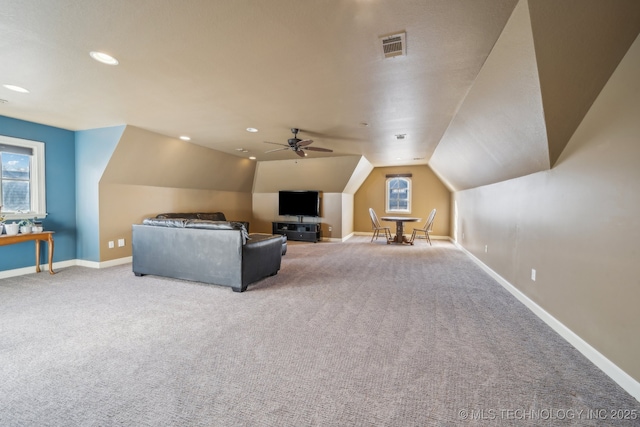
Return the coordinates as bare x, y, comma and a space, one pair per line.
37, 179
409, 195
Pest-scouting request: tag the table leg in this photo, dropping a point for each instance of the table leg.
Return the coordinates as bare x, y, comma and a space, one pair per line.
50, 240
37, 256
399, 238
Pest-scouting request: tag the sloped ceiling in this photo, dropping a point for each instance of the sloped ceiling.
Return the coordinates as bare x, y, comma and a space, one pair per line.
147, 158
489, 89
331, 175
579, 44
211, 68
499, 131
543, 74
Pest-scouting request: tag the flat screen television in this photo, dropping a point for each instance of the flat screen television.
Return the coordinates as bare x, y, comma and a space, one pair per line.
299, 203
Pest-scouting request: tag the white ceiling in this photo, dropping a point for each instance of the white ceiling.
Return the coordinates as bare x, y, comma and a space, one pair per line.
211, 68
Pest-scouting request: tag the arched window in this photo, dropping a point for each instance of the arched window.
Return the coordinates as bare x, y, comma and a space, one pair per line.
398, 196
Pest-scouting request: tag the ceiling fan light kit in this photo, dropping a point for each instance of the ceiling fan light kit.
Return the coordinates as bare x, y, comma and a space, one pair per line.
297, 145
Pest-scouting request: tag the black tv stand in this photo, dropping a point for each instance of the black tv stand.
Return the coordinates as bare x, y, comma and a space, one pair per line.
305, 232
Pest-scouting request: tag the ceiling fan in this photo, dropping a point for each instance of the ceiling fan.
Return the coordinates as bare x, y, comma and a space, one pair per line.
297, 145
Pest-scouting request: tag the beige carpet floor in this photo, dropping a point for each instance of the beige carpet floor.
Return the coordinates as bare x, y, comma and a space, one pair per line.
347, 334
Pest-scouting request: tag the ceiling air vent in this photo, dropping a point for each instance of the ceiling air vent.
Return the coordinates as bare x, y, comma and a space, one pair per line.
394, 45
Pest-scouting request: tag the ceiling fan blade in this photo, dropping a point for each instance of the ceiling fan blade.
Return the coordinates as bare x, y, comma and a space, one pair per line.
304, 142
275, 143
277, 149
326, 150
300, 153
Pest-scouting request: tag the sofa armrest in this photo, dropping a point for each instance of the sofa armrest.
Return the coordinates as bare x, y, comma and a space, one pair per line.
261, 256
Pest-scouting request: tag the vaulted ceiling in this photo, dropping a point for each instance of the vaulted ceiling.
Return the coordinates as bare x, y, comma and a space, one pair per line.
488, 89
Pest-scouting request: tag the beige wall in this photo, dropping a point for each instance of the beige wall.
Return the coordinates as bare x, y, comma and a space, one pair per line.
428, 193
347, 215
150, 173
334, 177
122, 205
576, 224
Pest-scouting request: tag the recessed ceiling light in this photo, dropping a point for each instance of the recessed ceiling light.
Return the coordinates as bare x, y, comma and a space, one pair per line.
185, 138
16, 88
104, 58
252, 130
252, 157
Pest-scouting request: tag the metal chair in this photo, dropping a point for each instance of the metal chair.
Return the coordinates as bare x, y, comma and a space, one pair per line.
428, 226
375, 223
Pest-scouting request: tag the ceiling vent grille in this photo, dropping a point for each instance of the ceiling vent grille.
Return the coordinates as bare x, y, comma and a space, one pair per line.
394, 45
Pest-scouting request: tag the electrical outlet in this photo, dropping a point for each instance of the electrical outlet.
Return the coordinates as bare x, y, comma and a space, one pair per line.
120, 243
111, 246
486, 248
330, 228
533, 274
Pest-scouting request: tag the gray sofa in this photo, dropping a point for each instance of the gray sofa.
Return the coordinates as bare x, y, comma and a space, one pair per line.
203, 250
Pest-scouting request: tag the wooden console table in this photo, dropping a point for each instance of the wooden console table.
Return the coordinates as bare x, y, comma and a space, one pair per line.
44, 236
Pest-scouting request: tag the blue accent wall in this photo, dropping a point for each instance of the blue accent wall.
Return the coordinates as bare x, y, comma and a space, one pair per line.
93, 151
61, 195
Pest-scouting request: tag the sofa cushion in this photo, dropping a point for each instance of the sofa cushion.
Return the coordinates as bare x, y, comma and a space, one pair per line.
218, 225
212, 216
208, 225
259, 236
165, 222
177, 215
198, 223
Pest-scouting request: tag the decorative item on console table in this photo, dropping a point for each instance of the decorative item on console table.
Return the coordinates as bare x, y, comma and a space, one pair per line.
37, 226
25, 226
11, 229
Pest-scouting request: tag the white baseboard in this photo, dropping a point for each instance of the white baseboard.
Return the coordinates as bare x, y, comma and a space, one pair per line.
32, 269
63, 264
332, 239
104, 264
623, 379
337, 239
